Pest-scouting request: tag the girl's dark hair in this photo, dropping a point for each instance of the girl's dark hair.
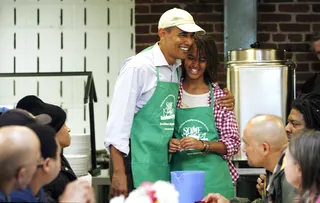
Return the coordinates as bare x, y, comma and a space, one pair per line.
309, 106
207, 47
305, 149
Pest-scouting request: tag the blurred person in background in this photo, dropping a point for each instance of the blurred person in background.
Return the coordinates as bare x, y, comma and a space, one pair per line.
313, 83
46, 171
303, 166
49, 163
36, 106
19, 157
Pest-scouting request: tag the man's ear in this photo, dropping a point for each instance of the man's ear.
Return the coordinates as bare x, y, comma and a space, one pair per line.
46, 165
265, 148
21, 174
161, 32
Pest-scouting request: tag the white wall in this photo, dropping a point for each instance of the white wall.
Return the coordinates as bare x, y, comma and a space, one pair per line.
109, 29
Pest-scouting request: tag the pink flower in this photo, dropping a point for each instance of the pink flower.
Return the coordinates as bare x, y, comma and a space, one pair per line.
150, 192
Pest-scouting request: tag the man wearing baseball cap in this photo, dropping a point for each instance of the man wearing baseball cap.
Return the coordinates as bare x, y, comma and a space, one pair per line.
179, 18
48, 167
22, 117
142, 113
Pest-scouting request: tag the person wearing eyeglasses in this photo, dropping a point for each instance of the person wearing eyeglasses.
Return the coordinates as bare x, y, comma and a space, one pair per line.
36, 106
48, 166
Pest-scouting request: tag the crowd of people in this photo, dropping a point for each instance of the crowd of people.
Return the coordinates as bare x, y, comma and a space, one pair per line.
168, 113
33, 168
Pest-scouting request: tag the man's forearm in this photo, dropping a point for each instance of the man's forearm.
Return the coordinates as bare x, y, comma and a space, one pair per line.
117, 160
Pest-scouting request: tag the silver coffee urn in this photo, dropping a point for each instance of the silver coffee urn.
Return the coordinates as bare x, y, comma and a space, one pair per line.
262, 82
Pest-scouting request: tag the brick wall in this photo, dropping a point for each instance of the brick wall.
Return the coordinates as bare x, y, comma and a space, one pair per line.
283, 24
288, 24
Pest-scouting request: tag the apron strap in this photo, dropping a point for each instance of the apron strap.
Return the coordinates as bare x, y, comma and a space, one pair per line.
178, 75
158, 77
146, 49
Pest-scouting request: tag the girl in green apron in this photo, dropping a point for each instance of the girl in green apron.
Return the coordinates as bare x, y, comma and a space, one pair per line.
205, 134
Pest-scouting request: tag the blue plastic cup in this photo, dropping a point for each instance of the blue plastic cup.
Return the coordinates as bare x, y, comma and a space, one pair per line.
189, 184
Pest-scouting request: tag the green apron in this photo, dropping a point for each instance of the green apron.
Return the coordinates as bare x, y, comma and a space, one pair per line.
199, 123
151, 132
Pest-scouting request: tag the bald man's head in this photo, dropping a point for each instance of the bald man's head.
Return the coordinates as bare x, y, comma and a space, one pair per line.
263, 136
19, 154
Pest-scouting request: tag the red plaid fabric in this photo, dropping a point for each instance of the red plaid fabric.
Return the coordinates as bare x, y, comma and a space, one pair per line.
227, 127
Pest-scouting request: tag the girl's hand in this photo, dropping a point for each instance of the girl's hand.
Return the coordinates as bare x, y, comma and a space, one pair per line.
191, 143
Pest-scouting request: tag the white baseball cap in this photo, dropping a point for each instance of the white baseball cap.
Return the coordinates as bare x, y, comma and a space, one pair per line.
179, 18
